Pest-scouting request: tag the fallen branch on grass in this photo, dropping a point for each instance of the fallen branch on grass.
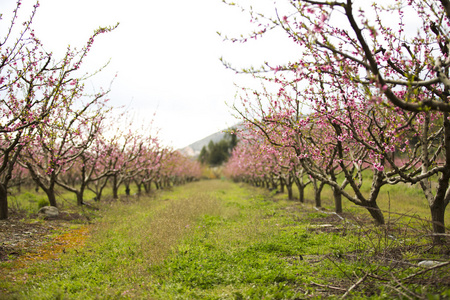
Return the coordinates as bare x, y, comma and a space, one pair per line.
426, 270
354, 286
407, 292
328, 286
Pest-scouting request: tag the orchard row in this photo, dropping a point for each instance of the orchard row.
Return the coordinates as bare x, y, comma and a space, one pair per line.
55, 133
367, 100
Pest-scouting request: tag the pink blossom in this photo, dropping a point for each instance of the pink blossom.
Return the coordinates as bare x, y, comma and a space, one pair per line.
378, 167
317, 28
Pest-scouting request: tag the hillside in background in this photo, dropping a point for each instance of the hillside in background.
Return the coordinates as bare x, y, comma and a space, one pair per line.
193, 150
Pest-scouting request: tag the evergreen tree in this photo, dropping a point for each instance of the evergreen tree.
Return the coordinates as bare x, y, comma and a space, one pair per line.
218, 153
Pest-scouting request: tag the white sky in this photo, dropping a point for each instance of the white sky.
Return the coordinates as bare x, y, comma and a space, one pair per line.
165, 53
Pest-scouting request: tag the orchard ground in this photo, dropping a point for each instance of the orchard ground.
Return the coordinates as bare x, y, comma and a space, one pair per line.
216, 239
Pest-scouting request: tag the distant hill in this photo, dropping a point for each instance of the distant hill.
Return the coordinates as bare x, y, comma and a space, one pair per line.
193, 150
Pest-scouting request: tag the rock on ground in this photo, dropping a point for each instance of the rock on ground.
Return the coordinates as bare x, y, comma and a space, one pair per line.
49, 211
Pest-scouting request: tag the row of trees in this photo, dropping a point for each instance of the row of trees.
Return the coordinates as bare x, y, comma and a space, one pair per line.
367, 95
56, 133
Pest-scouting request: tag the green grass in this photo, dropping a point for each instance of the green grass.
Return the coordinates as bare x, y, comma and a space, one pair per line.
28, 201
220, 240
393, 200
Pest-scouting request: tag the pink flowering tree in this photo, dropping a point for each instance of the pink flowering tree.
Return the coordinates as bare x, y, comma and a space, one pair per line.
167, 173
62, 142
402, 68
241, 163
96, 170
86, 151
259, 163
336, 137
69, 129
185, 169
386, 68
33, 85
125, 149
149, 162
22, 63
130, 154
236, 168
275, 164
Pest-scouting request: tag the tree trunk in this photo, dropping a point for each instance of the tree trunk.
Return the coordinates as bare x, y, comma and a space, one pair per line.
115, 192
375, 212
115, 187
301, 193
274, 184
51, 196
438, 204
317, 192
3, 202
6, 173
148, 187
19, 183
40, 181
438, 219
289, 189
98, 195
442, 196
337, 200
281, 185
139, 188
100, 190
167, 183
301, 189
337, 194
79, 198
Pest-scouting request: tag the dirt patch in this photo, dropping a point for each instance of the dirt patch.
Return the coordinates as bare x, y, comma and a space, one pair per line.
21, 235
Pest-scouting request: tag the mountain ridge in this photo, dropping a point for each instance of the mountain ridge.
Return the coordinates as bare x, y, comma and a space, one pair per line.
193, 150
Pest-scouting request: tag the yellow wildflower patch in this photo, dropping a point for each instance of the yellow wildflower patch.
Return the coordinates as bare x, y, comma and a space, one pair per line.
72, 239
51, 250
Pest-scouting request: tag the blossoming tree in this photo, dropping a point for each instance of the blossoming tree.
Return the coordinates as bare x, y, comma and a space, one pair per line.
33, 85
392, 75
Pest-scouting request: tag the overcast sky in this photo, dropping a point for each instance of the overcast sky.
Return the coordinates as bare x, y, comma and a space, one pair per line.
165, 54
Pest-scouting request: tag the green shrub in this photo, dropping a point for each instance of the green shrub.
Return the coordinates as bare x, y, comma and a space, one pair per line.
43, 202
29, 197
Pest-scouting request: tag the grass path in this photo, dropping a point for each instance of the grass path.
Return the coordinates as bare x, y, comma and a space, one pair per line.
220, 240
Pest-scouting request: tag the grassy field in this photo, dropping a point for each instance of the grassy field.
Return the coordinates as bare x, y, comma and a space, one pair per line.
221, 240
